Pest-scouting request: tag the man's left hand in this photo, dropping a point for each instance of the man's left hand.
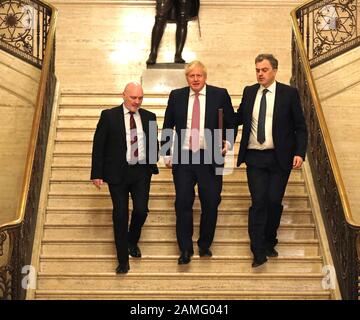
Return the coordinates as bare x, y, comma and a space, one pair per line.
297, 162
226, 145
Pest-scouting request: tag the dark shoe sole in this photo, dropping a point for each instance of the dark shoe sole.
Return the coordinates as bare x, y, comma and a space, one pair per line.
205, 253
135, 252
258, 263
181, 262
122, 269
272, 253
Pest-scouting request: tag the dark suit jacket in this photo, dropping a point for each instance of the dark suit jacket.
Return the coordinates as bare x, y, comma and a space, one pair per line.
109, 146
176, 116
288, 128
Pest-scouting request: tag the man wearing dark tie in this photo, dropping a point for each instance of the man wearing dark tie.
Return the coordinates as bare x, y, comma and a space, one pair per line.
125, 153
197, 155
274, 140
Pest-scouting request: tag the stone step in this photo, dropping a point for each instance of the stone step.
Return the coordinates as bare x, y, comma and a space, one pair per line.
156, 201
81, 173
156, 247
105, 232
165, 217
85, 147
83, 161
87, 135
166, 186
89, 123
181, 295
181, 281
95, 264
86, 112
105, 101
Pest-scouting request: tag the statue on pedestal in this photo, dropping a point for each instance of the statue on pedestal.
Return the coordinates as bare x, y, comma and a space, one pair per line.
178, 11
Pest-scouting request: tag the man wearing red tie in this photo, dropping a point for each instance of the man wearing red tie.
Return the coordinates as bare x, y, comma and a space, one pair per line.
125, 153
194, 113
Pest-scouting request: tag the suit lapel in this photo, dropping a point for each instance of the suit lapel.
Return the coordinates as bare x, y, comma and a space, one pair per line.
184, 106
277, 103
144, 121
208, 106
252, 99
122, 123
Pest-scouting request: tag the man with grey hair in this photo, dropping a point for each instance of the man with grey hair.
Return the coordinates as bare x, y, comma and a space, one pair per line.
125, 153
195, 111
274, 140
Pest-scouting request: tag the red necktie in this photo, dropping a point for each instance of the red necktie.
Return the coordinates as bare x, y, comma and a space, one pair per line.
195, 125
133, 140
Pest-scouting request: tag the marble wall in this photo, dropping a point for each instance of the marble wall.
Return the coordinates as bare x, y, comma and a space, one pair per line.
18, 89
101, 45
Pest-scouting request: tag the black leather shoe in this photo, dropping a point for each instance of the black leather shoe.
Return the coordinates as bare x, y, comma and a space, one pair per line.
123, 268
134, 251
184, 258
205, 252
271, 252
258, 261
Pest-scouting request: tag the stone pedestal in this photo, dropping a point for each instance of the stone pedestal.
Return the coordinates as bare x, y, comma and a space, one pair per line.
161, 78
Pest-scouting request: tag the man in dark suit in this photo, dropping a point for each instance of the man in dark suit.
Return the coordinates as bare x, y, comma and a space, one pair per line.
179, 11
274, 140
197, 154
125, 153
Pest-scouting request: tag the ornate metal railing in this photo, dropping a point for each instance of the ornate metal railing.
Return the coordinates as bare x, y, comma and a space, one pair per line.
16, 237
343, 232
328, 28
24, 25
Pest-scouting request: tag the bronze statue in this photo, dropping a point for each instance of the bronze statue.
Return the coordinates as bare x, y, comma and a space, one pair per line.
178, 11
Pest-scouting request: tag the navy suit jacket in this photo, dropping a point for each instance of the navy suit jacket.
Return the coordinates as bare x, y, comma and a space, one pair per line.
288, 127
109, 146
176, 117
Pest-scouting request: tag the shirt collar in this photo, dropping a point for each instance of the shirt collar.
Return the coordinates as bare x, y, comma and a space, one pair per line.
126, 110
270, 88
202, 91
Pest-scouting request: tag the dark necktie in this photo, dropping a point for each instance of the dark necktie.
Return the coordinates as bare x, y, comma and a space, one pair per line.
261, 119
133, 140
195, 125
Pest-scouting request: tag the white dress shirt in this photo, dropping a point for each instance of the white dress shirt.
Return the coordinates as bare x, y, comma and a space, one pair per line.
140, 135
202, 100
270, 101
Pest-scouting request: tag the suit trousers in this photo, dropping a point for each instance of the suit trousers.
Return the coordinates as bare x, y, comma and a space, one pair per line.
137, 183
186, 176
267, 183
